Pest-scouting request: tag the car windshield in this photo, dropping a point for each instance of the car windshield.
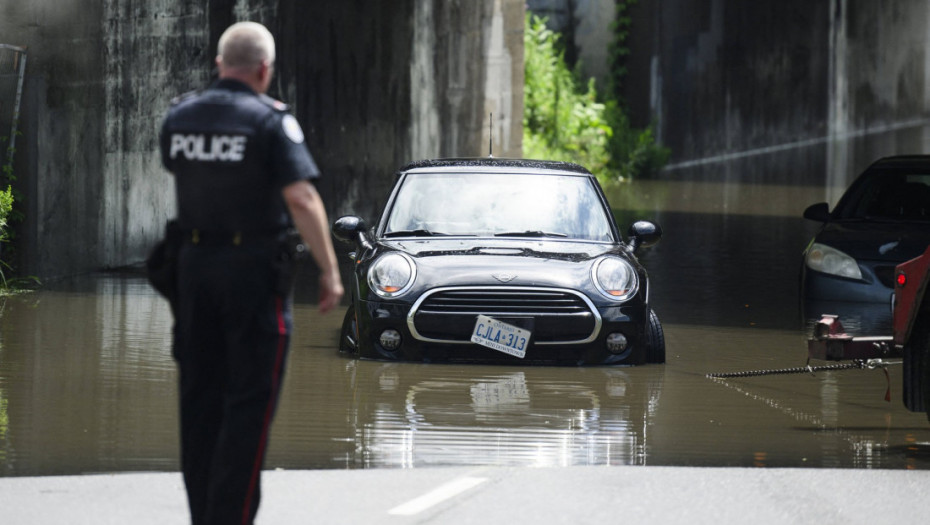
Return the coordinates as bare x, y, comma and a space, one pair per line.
499, 204
890, 196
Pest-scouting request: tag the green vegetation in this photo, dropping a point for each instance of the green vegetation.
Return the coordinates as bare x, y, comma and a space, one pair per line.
565, 119
617, 50
4, 422
562, 119
6, 210
6, 207
8, 214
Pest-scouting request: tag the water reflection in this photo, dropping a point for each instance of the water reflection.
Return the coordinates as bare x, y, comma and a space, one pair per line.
479, 416
81, 393
87, 380
87, 383
719, 264
4, 405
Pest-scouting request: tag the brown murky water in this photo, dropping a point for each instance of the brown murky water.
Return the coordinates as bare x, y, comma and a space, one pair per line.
87, 383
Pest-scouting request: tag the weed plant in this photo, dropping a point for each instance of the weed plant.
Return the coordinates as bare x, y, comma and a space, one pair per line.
565, 119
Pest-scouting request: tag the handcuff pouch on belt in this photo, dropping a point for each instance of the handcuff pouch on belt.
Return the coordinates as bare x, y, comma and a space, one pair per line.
290, 256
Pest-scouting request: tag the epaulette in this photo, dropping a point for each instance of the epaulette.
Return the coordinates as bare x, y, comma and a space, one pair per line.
277, 105
181, 98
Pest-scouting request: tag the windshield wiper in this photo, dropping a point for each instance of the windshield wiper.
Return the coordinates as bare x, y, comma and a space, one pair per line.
530, 233
414, 233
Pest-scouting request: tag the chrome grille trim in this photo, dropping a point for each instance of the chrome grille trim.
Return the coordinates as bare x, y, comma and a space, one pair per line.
508, 291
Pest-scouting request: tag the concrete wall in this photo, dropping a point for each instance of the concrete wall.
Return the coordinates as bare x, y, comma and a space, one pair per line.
374, 84
788, 91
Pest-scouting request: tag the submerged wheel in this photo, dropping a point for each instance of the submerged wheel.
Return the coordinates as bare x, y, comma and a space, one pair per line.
348, 336
917, 363
655, 339
919, 348
925, 361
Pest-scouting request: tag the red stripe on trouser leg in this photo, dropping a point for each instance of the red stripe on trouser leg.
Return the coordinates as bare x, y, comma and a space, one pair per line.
266, 424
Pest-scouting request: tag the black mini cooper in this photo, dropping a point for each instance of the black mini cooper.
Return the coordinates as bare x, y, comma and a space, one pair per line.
499, 260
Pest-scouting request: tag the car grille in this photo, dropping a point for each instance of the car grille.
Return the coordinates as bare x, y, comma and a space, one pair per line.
559, 316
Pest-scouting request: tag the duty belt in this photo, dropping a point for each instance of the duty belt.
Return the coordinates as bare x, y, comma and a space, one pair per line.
226, 238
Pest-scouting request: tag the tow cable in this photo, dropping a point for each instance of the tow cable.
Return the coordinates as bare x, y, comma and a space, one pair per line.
831, 342
857, 364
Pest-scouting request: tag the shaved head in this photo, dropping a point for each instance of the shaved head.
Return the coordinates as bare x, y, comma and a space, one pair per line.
246, 46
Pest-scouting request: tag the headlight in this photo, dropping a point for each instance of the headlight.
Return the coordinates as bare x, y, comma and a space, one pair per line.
823, 258
615, 278
392, 274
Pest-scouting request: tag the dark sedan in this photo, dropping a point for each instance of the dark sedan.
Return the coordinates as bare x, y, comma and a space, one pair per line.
498, 260
882, 220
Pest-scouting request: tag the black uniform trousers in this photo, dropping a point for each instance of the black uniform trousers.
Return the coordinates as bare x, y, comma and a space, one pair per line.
231, 338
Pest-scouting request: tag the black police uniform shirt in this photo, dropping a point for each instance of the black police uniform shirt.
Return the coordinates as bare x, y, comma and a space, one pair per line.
232, 151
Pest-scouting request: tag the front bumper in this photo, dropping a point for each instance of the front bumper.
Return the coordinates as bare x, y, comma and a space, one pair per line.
430, 340
863, 305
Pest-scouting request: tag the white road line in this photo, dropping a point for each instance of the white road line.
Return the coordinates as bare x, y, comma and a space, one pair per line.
434, 497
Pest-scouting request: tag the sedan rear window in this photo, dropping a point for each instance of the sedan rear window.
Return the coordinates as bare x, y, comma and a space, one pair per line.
504, 204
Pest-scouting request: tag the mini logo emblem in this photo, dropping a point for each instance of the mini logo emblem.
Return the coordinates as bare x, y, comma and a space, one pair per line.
504, 277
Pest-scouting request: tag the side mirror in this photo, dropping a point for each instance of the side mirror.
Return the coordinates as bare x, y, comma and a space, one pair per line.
644, 234
819, 212
347, 229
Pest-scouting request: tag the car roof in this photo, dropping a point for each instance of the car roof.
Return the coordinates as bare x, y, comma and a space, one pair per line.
902, 161
494, 162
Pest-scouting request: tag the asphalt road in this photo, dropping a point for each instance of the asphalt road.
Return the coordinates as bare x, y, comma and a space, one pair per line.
666, 495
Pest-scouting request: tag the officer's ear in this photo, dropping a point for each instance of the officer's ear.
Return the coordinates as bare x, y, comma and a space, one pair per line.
265, 71
219, 65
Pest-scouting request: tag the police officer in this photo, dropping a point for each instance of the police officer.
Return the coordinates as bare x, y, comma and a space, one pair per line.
242, 173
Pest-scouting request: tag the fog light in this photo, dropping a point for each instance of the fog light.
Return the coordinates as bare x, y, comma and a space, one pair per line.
390, 339
616, 343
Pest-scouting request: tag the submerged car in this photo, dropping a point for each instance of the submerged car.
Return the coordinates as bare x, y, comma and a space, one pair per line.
499, 260
882, 220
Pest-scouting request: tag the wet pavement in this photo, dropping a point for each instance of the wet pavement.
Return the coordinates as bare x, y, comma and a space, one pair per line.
87, 384
513, 495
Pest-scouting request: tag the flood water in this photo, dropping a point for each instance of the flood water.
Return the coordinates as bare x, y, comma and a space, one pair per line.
87, 383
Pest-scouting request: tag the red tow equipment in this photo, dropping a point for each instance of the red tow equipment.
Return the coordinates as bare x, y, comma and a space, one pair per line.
911, 280
831, 343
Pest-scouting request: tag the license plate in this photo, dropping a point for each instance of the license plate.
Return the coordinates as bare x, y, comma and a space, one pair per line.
500, 336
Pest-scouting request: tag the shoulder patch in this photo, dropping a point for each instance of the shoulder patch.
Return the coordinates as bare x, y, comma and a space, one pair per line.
277, 105
292, 129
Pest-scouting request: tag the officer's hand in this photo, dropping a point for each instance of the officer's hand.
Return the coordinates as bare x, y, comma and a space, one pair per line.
331, 291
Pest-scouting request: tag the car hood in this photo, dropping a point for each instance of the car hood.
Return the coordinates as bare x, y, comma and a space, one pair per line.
891, 242
461, 262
